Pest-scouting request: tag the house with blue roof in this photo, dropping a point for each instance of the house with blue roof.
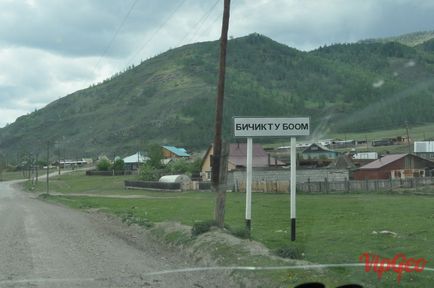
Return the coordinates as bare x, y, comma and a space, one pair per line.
174, 152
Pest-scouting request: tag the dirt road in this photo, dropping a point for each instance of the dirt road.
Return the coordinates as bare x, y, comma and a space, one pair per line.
45, 245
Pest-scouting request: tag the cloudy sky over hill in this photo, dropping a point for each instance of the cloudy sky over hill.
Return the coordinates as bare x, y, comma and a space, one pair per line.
49, 49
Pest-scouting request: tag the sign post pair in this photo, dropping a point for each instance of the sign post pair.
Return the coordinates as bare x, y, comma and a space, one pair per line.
249, 127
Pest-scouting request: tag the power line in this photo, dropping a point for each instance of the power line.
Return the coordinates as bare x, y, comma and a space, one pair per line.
157, 30
107, 48
200, 22
206, 28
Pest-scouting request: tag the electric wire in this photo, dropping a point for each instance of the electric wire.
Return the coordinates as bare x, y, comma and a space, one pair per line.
115, 34
199, 23
164, 23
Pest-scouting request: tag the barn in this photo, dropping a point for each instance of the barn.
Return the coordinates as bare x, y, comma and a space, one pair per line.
395, 166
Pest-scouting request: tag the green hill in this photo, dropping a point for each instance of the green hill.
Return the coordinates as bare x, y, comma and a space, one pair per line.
170, 98
410, 39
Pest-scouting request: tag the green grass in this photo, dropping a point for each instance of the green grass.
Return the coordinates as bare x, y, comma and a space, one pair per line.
330, 228
7, 175
77, 182
417, 133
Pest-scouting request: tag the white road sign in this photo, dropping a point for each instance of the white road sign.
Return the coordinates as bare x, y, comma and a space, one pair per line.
271, 127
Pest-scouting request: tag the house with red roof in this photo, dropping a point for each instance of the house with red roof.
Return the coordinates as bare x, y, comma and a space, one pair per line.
395, 166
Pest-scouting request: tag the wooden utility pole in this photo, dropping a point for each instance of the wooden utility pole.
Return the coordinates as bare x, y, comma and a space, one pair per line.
48, 166
219, 212
408, 137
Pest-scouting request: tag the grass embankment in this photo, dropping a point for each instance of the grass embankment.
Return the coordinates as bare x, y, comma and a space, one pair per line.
330, 228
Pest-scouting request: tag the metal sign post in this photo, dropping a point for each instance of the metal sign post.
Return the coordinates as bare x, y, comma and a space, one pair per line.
293, 186
249, 183
248, 127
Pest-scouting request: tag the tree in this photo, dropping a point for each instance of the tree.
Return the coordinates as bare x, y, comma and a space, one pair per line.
118, 165
148, 173
103, 165
155, 156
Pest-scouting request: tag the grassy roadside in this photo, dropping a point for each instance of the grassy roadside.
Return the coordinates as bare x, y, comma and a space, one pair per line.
331, 228
8, 175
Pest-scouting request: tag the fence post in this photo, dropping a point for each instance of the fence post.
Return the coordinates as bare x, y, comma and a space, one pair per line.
308, 185
391, 184
347, 185
367, 184
326, 185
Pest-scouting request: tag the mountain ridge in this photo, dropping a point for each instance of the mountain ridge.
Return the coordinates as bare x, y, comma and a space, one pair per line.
170, 98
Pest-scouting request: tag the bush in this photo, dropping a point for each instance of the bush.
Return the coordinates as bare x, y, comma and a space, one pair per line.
202, 227
292, 252
182, 166
179, 166
148, 173
129, 218
242, 233
118, 165
103, 165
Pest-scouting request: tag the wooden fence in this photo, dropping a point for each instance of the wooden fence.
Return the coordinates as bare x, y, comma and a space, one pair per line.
348, 186
108, 173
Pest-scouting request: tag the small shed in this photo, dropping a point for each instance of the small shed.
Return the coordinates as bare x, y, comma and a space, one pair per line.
175, 179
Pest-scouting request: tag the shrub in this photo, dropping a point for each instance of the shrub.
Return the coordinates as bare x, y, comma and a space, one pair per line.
103, 165
242, 233
202, 227
118, 165
148, 173
129, 218
292, 252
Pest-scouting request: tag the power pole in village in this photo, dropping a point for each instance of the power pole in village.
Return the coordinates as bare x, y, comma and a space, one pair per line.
219, 212
408, 137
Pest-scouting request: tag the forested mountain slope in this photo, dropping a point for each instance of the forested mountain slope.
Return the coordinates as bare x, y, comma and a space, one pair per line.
170, 98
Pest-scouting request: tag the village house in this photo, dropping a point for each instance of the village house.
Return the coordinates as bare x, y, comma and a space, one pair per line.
132, 162
395, 166
237, 159
362, 158
170, 152
317, 151
424, 149
316, 155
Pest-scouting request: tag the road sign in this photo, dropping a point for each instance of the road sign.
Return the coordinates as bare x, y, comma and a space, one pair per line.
271, 127
249, 127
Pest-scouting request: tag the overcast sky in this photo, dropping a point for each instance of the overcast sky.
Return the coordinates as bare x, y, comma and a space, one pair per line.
51, 48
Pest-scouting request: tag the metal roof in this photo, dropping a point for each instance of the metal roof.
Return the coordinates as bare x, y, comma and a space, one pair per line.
309, 149
386, 160
133, 158
238, 155
424, 146
181, 152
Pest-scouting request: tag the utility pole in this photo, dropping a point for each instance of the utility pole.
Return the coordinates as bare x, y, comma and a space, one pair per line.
37, 166
408, 137
219, 212
48, 166
58, 150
